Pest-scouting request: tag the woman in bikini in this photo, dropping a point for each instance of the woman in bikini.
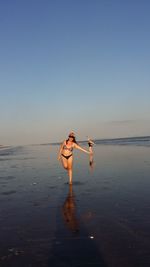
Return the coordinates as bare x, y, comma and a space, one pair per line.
66, 153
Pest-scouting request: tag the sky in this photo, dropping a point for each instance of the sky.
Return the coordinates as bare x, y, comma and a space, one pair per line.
81, 65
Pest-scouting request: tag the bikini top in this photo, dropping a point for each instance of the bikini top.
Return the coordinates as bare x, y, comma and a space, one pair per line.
68, 148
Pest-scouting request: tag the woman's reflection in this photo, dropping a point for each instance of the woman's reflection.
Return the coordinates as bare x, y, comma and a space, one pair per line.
91, 162
69, 212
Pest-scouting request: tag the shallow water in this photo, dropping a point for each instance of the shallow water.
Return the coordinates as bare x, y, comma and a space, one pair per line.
102, 220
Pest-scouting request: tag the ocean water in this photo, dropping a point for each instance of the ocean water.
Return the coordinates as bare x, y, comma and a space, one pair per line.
102, 220
138, 141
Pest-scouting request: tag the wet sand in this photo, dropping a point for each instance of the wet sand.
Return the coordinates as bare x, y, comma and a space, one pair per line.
101, 220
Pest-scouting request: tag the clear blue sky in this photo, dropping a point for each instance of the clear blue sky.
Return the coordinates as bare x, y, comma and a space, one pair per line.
81, 65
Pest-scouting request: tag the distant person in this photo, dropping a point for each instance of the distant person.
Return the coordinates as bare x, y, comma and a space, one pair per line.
91, 143
66, 153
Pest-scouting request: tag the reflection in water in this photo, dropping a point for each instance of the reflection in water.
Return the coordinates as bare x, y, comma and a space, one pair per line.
69, 212
73, 248
91, 162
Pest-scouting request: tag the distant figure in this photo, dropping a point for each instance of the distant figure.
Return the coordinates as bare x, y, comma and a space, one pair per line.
66, 153
69, 212
91, 143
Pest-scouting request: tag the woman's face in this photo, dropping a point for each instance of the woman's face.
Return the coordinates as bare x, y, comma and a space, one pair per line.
71, 138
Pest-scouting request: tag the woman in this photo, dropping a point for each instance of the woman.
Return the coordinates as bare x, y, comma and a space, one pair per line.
66, 153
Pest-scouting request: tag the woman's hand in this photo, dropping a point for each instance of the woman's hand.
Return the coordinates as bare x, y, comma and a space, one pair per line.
59, 157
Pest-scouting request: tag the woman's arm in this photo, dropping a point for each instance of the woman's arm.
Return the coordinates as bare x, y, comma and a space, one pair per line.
60, 150
82, 149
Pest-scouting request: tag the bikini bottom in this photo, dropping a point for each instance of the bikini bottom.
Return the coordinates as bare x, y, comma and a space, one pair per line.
66, 157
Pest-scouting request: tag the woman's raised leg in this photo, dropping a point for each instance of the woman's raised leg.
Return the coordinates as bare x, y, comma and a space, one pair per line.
64, 162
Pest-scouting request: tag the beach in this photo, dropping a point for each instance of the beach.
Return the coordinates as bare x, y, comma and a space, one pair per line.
101, 220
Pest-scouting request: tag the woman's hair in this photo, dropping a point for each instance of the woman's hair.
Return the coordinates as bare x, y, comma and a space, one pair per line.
74, 139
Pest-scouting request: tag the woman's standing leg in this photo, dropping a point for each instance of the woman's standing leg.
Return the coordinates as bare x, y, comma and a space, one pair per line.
70, 163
